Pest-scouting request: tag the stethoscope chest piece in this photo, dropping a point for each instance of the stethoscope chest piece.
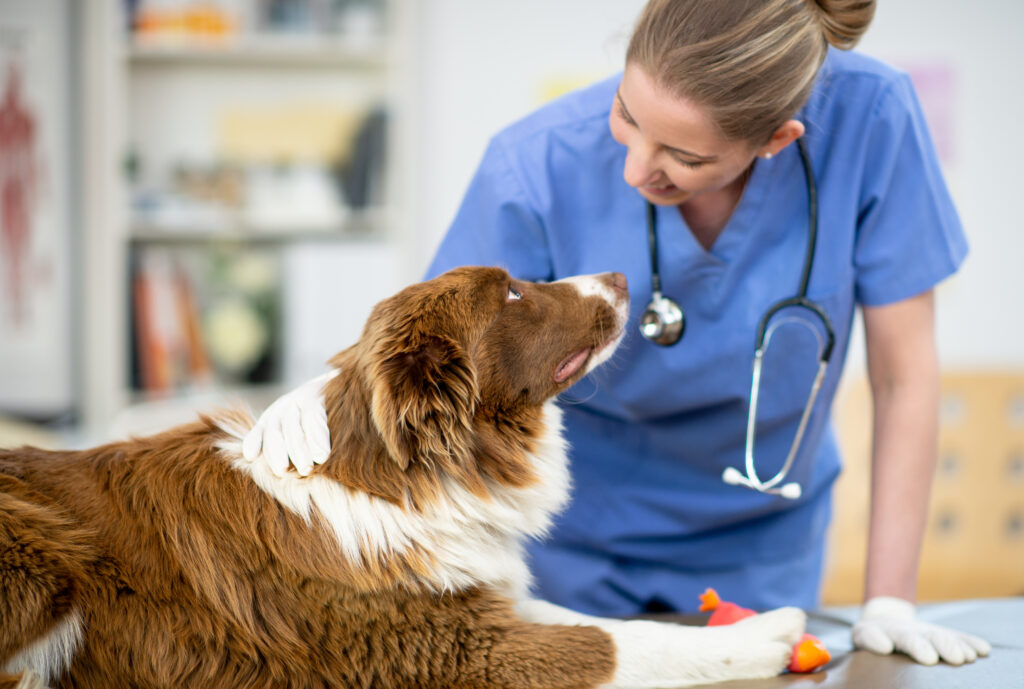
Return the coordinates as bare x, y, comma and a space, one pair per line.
663, 322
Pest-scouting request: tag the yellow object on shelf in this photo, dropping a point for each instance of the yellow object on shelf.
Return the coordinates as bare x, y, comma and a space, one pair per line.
296, 133
192, 20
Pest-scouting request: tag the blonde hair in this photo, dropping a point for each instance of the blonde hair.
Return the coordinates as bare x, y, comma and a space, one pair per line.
750, 63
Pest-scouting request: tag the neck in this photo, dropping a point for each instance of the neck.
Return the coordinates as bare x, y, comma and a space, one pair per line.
707, 214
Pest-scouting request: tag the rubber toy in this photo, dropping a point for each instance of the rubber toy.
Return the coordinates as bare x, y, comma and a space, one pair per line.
809, 653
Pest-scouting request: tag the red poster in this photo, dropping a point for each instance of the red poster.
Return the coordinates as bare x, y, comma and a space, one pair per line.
36, 348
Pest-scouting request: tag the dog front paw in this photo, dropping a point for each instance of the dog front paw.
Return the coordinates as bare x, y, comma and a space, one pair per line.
653, 654
762, 645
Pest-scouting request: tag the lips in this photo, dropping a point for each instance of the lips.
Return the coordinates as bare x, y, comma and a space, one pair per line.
571, 364
661, 191
575, 361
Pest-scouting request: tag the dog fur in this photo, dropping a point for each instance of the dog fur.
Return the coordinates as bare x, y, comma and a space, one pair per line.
171, 561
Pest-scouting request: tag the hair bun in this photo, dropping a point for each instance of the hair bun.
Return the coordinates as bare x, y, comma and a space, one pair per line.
844, 21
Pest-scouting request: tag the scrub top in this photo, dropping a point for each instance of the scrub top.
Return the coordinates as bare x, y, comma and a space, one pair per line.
651, 523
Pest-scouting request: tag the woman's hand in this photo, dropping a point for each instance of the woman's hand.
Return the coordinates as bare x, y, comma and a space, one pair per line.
293, 430
889, 625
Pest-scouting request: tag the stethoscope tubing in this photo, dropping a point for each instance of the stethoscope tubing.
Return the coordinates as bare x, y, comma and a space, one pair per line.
752, 479
803, 303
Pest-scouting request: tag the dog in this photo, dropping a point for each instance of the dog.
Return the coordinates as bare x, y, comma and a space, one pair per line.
171, 561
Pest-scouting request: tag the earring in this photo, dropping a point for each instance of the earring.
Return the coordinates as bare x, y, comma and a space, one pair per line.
768, 156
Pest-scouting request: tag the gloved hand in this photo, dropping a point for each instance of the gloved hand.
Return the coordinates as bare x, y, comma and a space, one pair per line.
888, 624
293, 429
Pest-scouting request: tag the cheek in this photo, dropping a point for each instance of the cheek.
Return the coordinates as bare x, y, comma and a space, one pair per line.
703, 179
618, 128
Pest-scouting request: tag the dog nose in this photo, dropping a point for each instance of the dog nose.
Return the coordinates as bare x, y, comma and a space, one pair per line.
618, 281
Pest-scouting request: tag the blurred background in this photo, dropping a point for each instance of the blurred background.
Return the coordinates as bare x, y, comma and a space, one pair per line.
200, 201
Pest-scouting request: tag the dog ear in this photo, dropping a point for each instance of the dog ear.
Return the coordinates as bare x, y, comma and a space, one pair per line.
424, 399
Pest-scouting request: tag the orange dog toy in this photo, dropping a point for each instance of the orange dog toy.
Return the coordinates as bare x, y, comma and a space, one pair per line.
809, 654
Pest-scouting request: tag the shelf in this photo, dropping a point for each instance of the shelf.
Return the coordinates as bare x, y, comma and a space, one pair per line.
142, 235
288, 51
365, 227
163, 98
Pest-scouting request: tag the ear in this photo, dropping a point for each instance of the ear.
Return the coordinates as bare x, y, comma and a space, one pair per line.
788, 132
424, 399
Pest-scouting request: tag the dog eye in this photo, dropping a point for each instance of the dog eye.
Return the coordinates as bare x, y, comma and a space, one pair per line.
513, 294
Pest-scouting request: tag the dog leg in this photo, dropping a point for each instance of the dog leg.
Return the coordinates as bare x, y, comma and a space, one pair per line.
532, 656
658, 654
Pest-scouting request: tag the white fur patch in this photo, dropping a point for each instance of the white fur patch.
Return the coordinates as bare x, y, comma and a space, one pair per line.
473, 541
50, 655
589, 286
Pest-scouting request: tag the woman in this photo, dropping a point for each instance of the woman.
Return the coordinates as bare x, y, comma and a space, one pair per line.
699, 130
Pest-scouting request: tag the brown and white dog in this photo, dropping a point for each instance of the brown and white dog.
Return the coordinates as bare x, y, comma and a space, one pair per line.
171, 561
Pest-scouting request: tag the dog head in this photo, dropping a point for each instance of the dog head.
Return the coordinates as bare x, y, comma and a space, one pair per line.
447, 361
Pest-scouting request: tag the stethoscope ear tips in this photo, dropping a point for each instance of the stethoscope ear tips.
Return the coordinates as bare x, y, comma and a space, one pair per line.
790, 491
733, 477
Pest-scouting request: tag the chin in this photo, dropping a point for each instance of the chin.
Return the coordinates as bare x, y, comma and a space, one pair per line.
674, 198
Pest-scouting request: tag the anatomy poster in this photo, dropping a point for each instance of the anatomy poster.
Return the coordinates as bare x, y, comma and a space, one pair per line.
36, 372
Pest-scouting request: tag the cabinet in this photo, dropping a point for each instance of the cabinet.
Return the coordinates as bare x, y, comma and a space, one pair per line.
240, 205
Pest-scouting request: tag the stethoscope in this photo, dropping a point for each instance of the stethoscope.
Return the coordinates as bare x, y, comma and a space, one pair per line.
663, 323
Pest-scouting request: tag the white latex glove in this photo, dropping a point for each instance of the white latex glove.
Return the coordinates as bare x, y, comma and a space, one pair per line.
888, 624
292, 430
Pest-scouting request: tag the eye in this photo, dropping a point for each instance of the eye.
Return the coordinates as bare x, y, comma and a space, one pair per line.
513, 294
687, 163
625, 115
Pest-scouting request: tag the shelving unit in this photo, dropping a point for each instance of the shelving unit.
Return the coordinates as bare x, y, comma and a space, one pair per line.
143, 236
363, 227
264, 52
158, 102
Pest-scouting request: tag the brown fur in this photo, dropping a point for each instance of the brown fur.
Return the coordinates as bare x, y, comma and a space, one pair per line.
186, 574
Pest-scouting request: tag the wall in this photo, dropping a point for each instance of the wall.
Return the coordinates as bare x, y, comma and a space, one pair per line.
481, 65
980, 42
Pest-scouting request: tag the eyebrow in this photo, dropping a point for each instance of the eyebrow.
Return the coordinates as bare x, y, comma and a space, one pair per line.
681, 151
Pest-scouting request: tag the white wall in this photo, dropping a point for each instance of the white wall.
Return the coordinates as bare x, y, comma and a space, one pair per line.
480, 65
980, 322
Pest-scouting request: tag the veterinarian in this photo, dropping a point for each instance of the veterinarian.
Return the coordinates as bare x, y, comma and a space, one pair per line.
686, 173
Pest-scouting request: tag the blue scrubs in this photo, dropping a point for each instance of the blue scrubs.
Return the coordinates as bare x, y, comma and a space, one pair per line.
651, 523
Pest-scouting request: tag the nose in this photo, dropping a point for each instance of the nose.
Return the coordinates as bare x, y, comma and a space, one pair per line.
618, 282
639, 168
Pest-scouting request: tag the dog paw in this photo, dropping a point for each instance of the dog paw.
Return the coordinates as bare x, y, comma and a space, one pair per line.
652, 654
784, 624
762, 645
